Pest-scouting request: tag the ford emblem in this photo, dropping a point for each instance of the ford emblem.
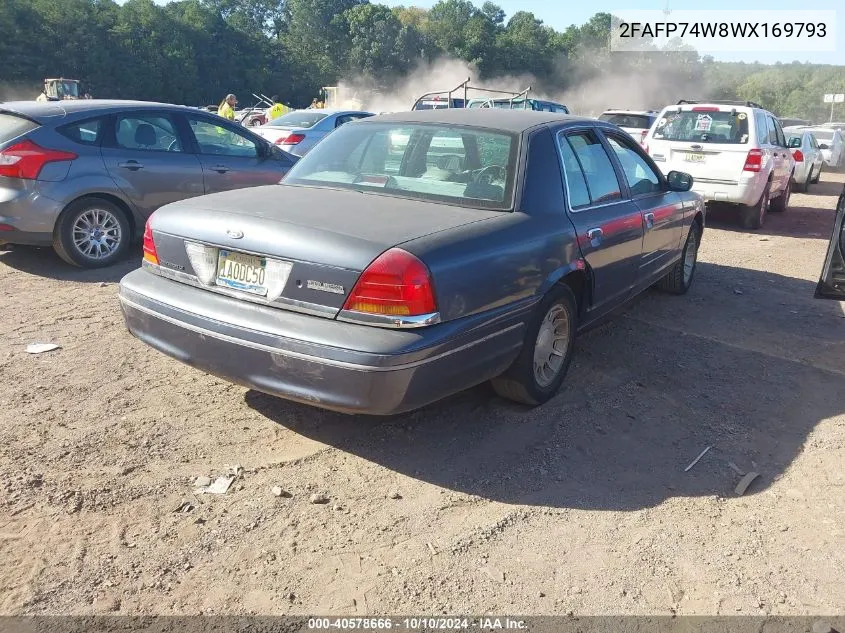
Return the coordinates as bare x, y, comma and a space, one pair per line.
235, 235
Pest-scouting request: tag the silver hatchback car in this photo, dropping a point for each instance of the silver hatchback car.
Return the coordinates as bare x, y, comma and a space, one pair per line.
83, 176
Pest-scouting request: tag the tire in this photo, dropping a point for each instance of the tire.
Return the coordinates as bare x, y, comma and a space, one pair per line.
815, 180
85, 220
781, 203
679, 278
520, 382
800, 187
752, 216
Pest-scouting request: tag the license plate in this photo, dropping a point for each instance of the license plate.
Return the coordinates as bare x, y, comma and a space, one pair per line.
694, 158
242, 272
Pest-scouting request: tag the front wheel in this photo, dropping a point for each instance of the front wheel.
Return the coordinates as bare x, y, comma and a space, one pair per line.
781, 203
539, 370
91, 233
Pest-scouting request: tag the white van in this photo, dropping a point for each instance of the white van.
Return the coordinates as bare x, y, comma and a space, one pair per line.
735, 151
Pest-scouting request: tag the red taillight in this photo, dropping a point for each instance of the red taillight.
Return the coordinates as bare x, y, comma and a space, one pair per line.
642, 136
26, 159
645, 147
705, 109
291, 139
150, 254
798, 156
754, 160
395, 284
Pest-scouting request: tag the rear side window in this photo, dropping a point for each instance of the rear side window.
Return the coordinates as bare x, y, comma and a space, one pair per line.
85, 133
595, 165
703, 127
762, 128
12, 126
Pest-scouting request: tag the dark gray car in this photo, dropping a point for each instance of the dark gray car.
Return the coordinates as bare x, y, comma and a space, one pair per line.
83, 176
413, 255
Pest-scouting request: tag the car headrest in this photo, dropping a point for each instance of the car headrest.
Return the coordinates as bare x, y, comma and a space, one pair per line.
145, 134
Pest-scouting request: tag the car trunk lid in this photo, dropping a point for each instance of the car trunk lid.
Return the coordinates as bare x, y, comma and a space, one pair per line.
311, 243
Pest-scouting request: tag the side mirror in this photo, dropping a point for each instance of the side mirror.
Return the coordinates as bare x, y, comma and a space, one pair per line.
824, 146
679, 181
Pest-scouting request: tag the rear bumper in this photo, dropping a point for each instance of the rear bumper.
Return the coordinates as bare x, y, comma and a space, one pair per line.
745, 192
313, 360
29, 212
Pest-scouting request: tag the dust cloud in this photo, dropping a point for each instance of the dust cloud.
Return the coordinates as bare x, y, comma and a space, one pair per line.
651, 88
19, 91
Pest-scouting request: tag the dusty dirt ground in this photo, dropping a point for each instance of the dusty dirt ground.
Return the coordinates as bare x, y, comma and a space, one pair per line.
582, 505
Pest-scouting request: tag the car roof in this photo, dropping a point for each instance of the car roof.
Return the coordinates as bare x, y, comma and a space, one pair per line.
46, 109
515, 121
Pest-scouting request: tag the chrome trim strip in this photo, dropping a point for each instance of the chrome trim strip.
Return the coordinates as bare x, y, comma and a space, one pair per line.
308, 357
381, 320
714, 181
294, 305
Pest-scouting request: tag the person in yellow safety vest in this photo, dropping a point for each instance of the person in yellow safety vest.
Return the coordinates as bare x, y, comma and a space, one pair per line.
277, 110
227, 107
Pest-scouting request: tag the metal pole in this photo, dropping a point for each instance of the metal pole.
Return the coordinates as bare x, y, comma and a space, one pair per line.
831, 109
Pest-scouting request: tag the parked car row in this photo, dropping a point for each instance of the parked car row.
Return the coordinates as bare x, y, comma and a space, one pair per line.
83, 177
402, 257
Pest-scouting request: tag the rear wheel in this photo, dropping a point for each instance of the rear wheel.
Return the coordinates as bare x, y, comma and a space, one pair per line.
541, 366
781, 203
818, 175
91, 233
679, 278
752, 216
801, 187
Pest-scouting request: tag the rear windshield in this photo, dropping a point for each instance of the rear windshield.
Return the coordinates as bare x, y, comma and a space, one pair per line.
303, 118
450, 164
12, 126
439, 104
639, 121
703, 127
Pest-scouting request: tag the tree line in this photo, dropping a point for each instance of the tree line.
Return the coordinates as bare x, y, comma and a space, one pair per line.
196, 51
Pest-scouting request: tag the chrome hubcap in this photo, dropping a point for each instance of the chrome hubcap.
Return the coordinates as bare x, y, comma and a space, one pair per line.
550, 348
96, 233
690, 256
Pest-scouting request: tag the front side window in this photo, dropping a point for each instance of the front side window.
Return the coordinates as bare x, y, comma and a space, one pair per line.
147, 133
709, 126
640, 176
218, 140
599, 175
451, 164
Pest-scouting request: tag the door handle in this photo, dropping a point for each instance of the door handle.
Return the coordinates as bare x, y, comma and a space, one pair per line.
649, 220
220, 169
595, 236
133, 165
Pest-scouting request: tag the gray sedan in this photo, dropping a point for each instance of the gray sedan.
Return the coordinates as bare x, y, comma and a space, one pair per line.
413, 255
299, 131
83, 176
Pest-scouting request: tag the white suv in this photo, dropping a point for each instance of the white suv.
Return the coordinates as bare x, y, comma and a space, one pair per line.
735, 151
634, 122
